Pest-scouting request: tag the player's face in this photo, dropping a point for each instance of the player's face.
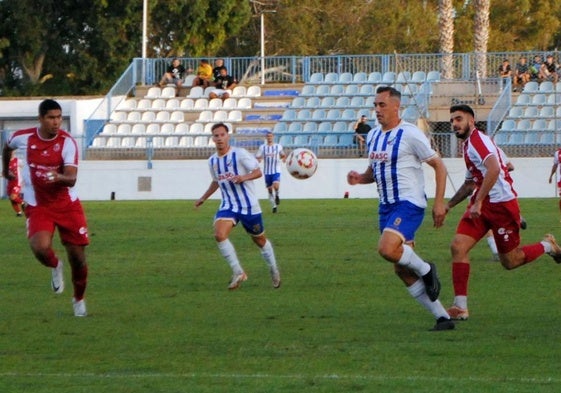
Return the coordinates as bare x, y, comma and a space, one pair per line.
270, 138
462, 124
221, 139
50, 123
387, 110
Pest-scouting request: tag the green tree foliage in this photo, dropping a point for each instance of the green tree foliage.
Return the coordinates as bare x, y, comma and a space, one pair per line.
56, 47
194, 28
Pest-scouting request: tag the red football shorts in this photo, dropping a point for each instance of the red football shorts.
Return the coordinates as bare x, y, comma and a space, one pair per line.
70, 222
502, 218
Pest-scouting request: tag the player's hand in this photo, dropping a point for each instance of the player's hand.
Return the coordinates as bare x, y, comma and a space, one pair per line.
50, 177
438, 215
475, 210
199, 202
237, 179
353, 177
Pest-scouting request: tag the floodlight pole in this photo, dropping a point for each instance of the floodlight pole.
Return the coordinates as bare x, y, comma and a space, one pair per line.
262, 48
144, 38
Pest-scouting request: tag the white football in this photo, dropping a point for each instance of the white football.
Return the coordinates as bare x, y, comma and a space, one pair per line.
302, 163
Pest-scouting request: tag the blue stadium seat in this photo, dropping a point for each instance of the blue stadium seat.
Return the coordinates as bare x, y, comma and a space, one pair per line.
310, 126
331, 77
295, 127
331, 140
301, 140
419, 77
360, 77
316, 77
346, 140
308, 90
375, 77
325, 126
345, 78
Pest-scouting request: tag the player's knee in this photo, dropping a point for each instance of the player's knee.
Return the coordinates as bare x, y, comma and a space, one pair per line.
388, 252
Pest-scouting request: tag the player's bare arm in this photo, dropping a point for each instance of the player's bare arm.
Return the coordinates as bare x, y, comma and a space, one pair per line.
492, 166
439, 208
353, 177
211, 190
6, 154
463, 192
254, 174
66, 178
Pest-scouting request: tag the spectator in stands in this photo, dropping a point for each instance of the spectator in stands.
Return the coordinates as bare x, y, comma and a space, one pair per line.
361, 128
224, 84
535, 69
272, 155
204, 74
233, 170
521, 74
505, 70
218, 64
174, 74
548, 70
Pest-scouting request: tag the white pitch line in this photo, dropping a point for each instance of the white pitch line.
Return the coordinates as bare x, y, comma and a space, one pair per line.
419, 378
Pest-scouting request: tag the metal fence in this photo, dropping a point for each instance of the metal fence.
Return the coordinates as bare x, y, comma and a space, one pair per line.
299, 69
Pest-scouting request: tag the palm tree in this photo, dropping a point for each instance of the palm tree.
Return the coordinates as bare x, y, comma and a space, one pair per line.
446, 38
481, 35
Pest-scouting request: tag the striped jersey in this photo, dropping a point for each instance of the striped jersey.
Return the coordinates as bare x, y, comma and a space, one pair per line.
272, 158
239, 198
43, 156
396, 158
477, 148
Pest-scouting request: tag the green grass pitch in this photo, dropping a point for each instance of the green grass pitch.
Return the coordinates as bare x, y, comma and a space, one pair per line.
161, 319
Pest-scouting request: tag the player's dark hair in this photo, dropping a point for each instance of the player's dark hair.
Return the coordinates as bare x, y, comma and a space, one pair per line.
48, 105
217, 125
462, 108
392, 90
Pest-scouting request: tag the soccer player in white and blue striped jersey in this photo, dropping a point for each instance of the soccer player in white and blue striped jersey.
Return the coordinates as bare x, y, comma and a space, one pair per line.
396, 152
272, 155
233, 170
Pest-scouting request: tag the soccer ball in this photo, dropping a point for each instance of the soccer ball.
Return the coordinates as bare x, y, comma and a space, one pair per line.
301, 163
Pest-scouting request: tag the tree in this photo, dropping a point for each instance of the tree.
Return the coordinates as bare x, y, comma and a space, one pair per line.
446, 37
481, 35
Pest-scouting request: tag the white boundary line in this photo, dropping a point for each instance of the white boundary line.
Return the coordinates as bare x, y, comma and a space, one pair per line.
525, 380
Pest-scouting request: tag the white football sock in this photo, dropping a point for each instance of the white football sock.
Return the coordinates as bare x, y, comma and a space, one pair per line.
272, 200
492, 244
412, 261
229, 253
461, 301
417, 291
269, 255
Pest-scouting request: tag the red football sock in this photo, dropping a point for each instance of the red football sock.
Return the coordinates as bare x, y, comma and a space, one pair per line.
460, 278
532, 251
80, 281
51, 259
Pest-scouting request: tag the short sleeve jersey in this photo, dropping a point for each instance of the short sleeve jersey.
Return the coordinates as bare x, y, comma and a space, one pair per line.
271, 155
224, 82
239, 198
43, 156
396, 158
478, 148
177, 72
